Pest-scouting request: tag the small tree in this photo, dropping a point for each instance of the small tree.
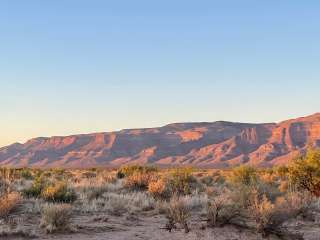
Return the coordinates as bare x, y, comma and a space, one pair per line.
304, 172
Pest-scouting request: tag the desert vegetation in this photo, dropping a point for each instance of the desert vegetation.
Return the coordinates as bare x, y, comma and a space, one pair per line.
277, 203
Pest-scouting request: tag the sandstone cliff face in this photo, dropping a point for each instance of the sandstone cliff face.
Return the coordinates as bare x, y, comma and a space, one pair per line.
218, 144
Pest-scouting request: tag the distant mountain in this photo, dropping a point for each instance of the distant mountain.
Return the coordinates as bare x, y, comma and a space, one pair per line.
217, 144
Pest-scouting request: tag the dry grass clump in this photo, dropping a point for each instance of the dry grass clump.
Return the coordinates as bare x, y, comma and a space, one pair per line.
8, 202
56, 218
221, 210
177, 213
196, 201
92, 191
117, 204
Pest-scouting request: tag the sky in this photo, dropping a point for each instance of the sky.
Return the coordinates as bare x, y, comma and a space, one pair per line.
76, 66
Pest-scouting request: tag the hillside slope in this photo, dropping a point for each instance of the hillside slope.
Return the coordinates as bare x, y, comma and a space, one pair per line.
217, 144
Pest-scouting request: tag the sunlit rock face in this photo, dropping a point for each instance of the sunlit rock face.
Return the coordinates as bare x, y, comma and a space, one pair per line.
217, 144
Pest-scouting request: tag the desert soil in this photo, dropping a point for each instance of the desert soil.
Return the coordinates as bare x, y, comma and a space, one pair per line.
145, 226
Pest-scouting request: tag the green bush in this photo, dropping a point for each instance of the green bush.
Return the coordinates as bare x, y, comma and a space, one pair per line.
130, 170
304, 172
53, 192
181, 181
243, 175
35, 190
26, 174
58, 192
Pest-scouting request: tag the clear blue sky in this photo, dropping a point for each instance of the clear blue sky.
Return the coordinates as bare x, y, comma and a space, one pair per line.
75, 66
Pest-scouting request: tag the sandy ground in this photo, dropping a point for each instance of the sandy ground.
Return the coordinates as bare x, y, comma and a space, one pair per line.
145, 226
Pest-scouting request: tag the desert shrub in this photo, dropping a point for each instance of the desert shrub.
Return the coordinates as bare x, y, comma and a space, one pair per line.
58, 171
88, 174
46, 173
207, 180
138, 181
243, 175
263, 212
215, 178
177, 213
297, 203
268, 177
58, 192
129, 170
181, 181
8, 202
107, 176
221, 210
218, 177
158, 188
269, 216
270, 189
26, 174
281, 171
245, 182
37, 187
56, 217
242, 194
50, 191
304, 172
